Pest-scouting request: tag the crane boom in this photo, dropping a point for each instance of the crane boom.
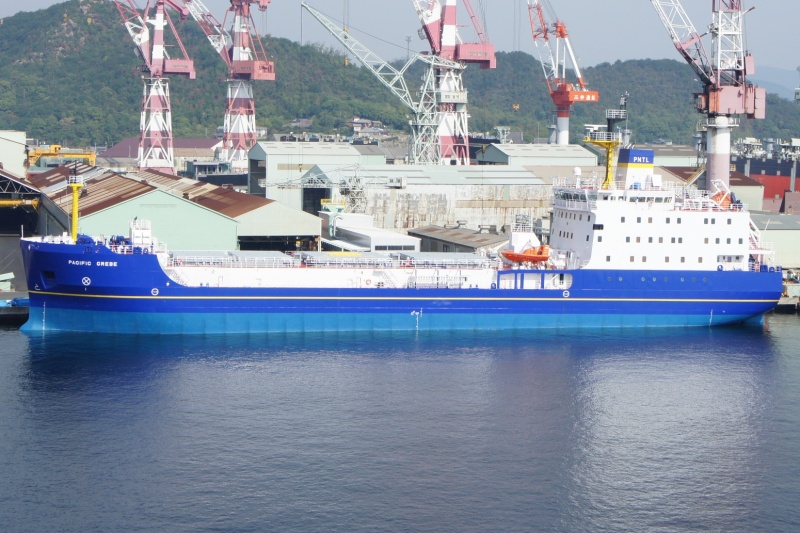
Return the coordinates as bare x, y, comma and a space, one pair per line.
554, 60
425, 148
685, 37
215, 31
726, 92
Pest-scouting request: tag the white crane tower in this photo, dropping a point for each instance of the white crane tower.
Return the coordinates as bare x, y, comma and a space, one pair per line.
726, 93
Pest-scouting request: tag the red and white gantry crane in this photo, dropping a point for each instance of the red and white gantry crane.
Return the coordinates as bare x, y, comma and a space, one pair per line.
556, 59
424, 146
440, 27
244, 55
726, 92
155, 142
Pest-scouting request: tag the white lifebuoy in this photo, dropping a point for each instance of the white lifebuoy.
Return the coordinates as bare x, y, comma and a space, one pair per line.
368, 282
566, 294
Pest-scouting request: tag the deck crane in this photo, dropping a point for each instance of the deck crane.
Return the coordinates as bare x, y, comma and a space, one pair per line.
439, 26
155, 126
726, 92
554, 63
246, 59
425, 145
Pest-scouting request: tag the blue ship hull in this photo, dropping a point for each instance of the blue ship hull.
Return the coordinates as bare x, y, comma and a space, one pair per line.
92, 289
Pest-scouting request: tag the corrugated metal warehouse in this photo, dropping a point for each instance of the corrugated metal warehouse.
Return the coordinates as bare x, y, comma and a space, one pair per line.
186, 214
409, 196
536, 154
783, 231
275, 168
462, 240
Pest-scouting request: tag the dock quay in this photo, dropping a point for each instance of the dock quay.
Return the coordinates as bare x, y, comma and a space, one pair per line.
11, 313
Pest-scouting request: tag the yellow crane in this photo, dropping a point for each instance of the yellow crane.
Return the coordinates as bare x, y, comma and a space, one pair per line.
56, 150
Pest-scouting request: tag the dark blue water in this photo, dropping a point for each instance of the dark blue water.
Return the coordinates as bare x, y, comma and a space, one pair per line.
646, 431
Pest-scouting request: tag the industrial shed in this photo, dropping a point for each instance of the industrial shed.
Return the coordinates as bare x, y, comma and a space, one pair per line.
673, 155
275, 168
356, 232
263, 223
536, 155
401, 197
109, 202
783, 232
186, 214
463, 240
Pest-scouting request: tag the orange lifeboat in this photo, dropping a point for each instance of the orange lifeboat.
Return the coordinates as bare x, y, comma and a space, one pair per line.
722, 199
530, 255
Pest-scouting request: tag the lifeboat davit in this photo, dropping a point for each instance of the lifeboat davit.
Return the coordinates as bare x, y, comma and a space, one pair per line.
530, 255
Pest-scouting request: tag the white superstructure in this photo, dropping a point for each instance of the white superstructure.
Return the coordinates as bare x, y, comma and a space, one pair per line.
652, 226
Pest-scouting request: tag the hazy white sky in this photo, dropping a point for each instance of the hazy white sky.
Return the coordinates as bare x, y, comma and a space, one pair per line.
600, 30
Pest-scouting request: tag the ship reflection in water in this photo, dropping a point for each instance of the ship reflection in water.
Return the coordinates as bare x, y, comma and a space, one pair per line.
677, 430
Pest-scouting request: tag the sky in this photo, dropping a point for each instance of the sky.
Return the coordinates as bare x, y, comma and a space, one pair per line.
600, 31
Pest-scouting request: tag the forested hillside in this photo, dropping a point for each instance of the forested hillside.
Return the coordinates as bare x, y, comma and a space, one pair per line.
69, 75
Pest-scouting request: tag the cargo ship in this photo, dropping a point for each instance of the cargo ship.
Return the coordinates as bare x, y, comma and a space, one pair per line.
641, 253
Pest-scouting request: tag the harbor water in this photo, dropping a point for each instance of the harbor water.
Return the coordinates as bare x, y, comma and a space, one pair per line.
670, 430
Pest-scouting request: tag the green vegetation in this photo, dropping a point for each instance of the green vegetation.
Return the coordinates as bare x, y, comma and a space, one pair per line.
68, 75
